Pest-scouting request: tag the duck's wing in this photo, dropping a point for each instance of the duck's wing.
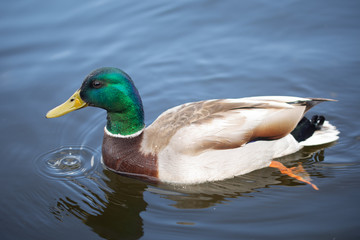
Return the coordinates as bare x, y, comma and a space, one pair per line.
224, 124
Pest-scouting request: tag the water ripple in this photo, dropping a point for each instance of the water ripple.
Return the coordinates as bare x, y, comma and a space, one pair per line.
68, 162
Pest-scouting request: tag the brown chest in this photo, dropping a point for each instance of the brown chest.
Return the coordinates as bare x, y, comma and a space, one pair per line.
123, 155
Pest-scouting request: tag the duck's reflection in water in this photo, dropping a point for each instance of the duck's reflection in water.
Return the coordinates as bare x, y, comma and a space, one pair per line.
112, 204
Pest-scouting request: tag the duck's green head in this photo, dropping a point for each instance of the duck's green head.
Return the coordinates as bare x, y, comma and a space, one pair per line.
112, 90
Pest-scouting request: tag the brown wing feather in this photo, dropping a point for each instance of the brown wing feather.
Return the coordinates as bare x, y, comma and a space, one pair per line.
163, 129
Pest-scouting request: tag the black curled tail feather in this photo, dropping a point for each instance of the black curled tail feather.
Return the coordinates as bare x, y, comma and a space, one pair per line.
317, 121
306, 127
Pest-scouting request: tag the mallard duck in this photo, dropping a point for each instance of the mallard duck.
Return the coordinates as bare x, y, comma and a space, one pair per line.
200, 141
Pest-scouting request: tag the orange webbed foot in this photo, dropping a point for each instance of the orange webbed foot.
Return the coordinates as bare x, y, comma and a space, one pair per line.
294, 172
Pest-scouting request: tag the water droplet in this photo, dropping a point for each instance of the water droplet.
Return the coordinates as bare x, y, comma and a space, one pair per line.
68, 162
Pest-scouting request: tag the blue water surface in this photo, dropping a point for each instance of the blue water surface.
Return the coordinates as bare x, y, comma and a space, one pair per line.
53, 185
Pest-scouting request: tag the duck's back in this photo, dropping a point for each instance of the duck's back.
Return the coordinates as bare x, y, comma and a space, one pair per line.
217, 139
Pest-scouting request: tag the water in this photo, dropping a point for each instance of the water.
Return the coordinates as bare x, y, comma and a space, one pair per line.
53, 185
68, 162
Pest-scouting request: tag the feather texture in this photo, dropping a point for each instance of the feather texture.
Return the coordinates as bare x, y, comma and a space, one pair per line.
216, 139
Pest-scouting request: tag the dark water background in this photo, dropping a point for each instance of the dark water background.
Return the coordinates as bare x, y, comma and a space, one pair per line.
176, 52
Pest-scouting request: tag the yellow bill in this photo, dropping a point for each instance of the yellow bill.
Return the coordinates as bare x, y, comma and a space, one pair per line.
73, 103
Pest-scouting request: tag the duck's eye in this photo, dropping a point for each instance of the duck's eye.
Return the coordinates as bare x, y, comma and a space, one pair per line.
96, 84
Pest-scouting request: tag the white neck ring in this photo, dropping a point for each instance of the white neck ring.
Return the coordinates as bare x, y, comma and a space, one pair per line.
107, 132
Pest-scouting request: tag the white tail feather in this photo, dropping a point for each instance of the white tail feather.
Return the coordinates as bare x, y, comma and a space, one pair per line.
327, 134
